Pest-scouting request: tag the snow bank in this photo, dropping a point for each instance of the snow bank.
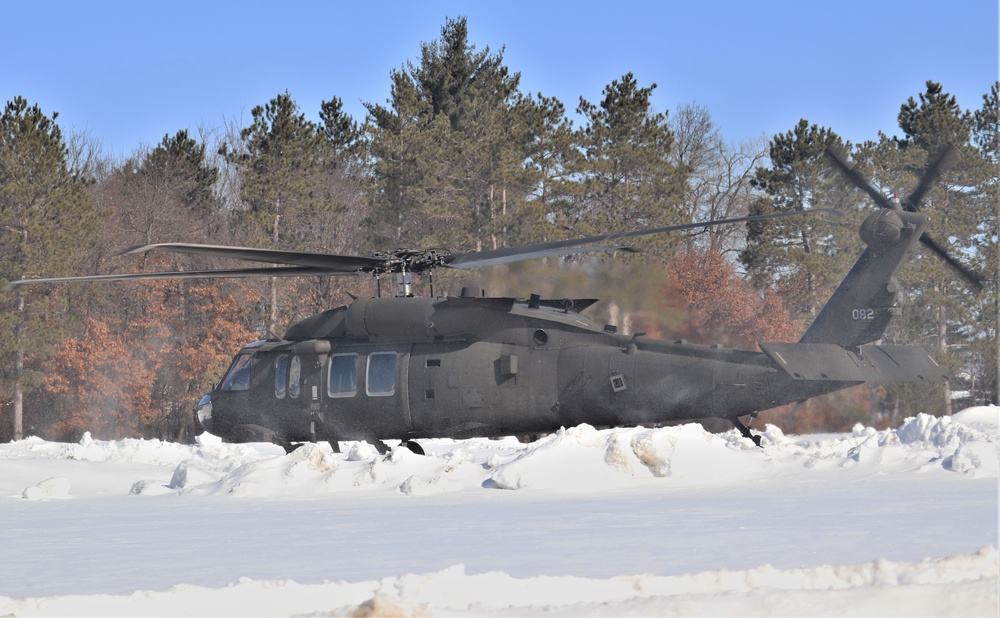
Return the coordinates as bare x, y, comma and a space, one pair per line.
963, 584
583, 459
623, 481
984, 418
572, 460
55, 487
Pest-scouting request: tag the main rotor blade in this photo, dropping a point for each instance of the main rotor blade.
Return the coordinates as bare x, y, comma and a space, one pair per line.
859, 181
943, 161
974, 278
475, 259
302, 264
331, 263
291, 271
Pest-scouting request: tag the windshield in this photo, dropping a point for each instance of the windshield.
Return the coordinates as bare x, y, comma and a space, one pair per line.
238, 376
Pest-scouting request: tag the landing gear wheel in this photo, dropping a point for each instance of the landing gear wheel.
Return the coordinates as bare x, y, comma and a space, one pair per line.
414, 447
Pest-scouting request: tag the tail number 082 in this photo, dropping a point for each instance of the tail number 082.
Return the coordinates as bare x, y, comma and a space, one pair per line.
863, 314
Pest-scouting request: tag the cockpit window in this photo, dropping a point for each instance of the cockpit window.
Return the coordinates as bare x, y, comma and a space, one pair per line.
295, 377
381, 377
281, 376
238, 376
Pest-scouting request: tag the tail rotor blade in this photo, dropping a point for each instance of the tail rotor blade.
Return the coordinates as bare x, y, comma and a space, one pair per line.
943, 161
974, 278
911, 204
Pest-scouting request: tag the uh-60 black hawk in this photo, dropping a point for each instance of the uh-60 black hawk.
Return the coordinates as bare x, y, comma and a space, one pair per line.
404, 368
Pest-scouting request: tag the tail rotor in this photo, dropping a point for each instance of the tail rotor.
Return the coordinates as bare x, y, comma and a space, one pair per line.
912, 204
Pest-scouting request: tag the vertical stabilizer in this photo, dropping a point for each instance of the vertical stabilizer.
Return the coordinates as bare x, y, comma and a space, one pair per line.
860, 310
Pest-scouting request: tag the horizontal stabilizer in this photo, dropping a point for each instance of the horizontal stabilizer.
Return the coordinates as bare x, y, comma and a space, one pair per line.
876, 363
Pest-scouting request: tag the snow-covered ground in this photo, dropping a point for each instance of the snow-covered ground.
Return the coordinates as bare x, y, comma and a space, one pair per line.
671, 521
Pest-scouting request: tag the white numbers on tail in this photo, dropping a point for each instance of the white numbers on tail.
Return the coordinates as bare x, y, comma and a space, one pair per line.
863, 315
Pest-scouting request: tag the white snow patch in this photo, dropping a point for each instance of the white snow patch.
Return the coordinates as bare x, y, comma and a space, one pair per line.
984, 418
55, 487
960, 585
252, 509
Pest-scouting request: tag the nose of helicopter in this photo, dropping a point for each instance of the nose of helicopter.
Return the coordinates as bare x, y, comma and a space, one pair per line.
205, 412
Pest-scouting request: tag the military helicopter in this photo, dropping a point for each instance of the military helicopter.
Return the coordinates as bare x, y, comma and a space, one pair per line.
403, 367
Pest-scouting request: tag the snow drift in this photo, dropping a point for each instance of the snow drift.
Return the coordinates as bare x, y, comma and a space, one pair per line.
558, 526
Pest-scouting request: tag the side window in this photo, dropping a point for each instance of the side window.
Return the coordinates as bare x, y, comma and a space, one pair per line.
380, 380
342, 379
295, 377
238, 376
281, 376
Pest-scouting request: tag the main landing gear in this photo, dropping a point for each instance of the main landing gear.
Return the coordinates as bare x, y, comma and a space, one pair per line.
384, 448
745, 429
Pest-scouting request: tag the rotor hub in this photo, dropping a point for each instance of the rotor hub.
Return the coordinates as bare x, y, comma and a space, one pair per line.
414, 261
882, 229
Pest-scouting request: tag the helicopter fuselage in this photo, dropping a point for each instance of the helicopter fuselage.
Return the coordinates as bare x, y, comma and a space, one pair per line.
405, 368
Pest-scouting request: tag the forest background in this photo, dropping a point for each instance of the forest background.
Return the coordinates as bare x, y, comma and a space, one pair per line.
459, 156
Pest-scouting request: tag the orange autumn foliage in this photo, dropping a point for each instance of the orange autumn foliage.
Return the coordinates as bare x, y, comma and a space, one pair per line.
723, 307
98, 384
140, 372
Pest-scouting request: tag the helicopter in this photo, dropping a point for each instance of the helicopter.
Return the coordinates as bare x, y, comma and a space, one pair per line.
405, 368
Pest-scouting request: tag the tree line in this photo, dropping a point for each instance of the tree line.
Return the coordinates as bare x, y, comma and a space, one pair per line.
459, 156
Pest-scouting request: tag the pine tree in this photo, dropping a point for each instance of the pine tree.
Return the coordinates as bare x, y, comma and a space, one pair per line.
941, 307
629, 177
46, 220
984, 361
291, 187
340, 129
397, 147
803, 257
450, 149
549, 167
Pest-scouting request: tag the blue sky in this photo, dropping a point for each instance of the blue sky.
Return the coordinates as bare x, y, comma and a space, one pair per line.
129, 72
